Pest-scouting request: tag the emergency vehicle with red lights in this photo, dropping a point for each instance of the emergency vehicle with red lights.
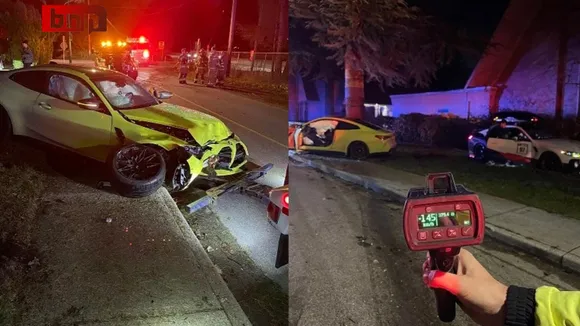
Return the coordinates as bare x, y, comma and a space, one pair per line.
140, 50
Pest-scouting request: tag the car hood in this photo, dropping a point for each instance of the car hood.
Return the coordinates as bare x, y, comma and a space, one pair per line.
203, 127
560, 144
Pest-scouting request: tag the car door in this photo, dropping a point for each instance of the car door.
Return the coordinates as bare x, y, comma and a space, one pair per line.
524, 147
22, 97
61, 120
497, 141
317, 135
345, 134
511, 143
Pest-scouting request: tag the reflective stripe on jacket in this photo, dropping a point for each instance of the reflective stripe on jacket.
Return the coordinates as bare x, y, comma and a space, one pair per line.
557, 308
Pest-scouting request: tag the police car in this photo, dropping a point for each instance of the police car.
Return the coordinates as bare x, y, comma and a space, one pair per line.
524, 142
140, 50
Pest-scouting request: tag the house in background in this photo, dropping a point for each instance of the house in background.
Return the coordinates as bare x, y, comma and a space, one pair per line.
311, 99
314, 98
533, 65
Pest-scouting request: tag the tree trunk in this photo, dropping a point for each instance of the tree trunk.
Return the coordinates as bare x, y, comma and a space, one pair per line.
354, 91
329, 98
293, 102
282, 34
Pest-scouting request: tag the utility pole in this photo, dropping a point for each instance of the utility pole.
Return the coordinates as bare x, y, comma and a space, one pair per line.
231, 38
89, 29
258, 34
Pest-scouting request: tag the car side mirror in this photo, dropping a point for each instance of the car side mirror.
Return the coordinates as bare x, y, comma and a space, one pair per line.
163, 95
90, 104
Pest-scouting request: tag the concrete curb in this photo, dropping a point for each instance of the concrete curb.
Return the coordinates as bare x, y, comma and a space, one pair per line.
232, 308
563, 259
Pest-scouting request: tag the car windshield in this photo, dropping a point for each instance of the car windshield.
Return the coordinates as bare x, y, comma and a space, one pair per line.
123, 93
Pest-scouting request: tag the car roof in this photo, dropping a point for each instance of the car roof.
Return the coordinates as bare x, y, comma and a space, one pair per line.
90, 72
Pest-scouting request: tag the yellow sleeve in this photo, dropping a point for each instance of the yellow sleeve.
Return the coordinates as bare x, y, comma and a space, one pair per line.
555, 307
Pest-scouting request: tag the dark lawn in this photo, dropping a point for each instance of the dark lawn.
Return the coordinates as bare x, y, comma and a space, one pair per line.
550, 191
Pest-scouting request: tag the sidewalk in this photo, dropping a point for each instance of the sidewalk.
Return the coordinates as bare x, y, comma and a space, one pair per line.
145, 267
548, 236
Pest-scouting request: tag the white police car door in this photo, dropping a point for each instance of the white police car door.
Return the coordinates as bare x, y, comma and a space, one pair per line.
511, 143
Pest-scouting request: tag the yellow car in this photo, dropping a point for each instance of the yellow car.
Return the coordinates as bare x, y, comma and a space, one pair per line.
109, 117
354, 138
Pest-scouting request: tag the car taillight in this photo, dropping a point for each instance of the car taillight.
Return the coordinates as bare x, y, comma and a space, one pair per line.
383, 137
146, 54
285, 200
470, 137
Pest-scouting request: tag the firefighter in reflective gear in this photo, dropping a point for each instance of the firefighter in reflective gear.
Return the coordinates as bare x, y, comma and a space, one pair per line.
183, 66
212, 76
202, 64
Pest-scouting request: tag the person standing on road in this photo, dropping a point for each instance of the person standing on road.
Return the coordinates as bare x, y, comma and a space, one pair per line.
212, 76
27, 55
183, 66
202, 64
489, 302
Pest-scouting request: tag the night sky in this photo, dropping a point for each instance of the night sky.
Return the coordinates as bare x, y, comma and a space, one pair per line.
478, 17
179, 23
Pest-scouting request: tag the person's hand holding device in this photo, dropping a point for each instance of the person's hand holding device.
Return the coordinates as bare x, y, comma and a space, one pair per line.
440, 219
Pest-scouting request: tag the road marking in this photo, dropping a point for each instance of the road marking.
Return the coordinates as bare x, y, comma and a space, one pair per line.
228, 119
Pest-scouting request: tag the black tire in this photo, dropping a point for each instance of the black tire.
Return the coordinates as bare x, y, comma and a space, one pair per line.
5, 127
479, 153
358, 150
129, 178
550, 162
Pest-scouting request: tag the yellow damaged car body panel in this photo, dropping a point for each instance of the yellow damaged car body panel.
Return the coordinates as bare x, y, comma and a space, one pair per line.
96, 128
332, 134
205, 130
203, 127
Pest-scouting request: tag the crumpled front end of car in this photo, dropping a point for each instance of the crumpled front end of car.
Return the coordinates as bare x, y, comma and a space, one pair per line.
208, 148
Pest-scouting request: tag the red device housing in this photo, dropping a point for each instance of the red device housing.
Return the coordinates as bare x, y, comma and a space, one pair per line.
455, 198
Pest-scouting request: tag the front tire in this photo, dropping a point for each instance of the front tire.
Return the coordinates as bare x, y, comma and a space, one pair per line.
358, 150
137, 171
550, 162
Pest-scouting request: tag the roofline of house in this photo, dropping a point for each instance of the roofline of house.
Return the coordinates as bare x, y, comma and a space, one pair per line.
454, 91
512, 5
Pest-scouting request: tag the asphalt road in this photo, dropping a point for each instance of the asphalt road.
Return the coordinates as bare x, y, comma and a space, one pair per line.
351, 266
263, 128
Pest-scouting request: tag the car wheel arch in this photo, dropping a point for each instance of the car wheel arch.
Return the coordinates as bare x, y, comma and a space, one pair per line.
549, 153
354, 143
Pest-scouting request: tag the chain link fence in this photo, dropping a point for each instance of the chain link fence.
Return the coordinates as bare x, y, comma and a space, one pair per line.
260, 62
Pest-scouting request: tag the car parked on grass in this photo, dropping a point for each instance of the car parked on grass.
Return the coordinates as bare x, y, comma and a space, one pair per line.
109, 117
278, 216
356, 139
525, 143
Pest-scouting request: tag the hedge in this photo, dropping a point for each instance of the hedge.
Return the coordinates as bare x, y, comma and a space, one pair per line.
452, 132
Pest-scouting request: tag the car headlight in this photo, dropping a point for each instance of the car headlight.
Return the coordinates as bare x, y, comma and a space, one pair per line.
570, 153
